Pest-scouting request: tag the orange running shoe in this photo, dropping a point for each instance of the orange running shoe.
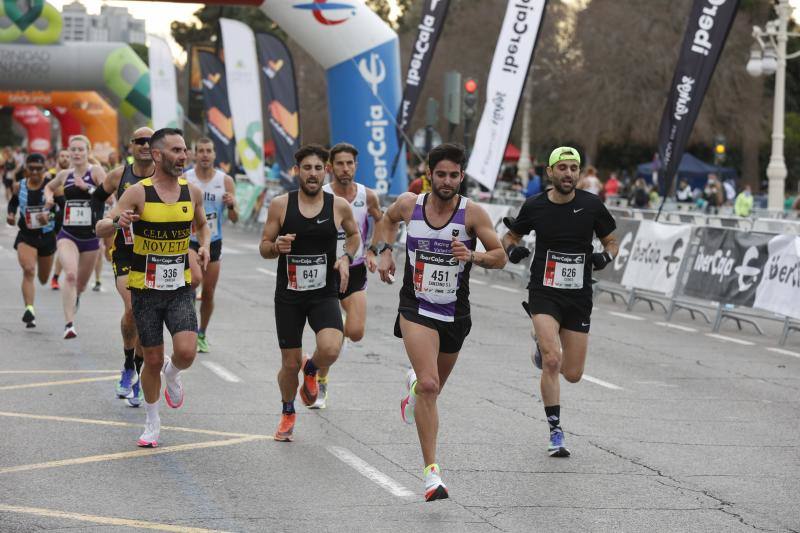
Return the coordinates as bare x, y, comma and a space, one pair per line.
309, 390
285, 428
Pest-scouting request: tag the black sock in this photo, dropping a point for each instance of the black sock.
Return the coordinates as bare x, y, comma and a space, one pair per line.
288, 408
553, 413
129, 358
55, 277
69, 324
139, 362
310, 369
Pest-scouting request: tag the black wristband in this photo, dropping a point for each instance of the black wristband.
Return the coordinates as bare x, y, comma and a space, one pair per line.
374, 249
386, 246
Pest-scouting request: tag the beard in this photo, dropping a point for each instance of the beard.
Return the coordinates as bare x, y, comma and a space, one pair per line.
444, 195
561, 189
309, 192
171, 169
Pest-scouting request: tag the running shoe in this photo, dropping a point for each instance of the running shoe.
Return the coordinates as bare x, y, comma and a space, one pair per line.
97, 286
69, 332
322, 396
556, 446
128, 377
29, 318
537, 353
202, 343
285, 428
149, 439
434, 486
54, 283
308, 389
137, 395
408, 403
173, 391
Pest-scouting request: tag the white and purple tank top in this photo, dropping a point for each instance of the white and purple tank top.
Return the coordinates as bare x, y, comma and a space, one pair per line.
361, 213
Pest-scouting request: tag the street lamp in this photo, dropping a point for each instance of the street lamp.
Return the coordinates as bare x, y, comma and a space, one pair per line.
768, 56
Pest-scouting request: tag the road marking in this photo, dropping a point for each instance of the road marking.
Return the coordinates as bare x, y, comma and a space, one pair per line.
62, 382
221, 371
784, 352
602, 383
59, 371
477, 282
370, 472
126, 424
729, 339
103, 520
267, 272
677, 326
625, 315
141, 452
230, 250
507, 289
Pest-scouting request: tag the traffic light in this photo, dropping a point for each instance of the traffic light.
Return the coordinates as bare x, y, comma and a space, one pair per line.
719, 150
470, 98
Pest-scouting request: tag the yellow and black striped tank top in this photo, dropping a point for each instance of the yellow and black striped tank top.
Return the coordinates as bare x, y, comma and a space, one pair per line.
161, 241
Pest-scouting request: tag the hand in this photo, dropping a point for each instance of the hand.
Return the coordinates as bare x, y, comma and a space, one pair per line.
227, 199
284, 243
517, 253
203, 257
49, 202
372, 261
126, 218
460, 250
600, 260
11, 219
43, 218
386, 267
343, 266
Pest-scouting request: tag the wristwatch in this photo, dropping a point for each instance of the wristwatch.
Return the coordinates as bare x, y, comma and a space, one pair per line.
115, 220
349, 257
386, 246
374, 249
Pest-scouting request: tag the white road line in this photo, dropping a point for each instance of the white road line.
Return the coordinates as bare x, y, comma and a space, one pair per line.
625, 315
676, 326
477, 282
729, 339
230, 250
784, 352
221, 371
370, 472
267, 272
602, 383
507, 289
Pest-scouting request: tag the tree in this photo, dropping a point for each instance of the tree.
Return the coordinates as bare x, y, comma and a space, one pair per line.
188, 34
142, 51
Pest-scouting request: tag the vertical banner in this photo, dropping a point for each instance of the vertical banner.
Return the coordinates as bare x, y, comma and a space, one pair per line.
512, 57
708, 27
37, 128
280, 96
244, 96
627, 228
217, 110
434, 14
163, 86
656, 256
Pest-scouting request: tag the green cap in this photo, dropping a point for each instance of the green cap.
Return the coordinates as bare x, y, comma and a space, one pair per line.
564, 153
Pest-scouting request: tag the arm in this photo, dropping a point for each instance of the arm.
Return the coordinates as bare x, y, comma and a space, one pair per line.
481, 227
54, 186
272, 245
374, 210
229, 199
123, 213
13, 204
351, 243
200, 226
386, 231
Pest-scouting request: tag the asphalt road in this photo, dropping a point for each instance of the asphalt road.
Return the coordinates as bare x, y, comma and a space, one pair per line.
671, 429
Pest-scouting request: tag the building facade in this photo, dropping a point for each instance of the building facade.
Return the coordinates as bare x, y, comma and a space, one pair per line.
113, 24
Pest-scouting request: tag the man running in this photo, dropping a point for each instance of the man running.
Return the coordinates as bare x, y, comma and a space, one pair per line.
162, 209
434, 312
36, 238
301, 231
219, 192
560, 289
364, 203
116, 183
62, 163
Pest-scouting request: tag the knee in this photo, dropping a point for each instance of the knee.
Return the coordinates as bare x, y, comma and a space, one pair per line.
153, 362
185, 356
291, 366
573, 376
28, 272
427, 386
329, 353
355, 335
71, 277
551, 360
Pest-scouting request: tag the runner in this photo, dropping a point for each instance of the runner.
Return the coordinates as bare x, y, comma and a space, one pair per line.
162, 209
364, 202
121, 251
63, 163
434, 312
301, 231
77, 243
36, 238
560, 288
219, 192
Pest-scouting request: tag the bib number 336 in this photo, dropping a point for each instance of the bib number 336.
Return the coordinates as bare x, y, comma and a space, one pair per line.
164, 272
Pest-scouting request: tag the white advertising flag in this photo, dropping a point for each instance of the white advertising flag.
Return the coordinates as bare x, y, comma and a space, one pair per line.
163, 87
512, 56
656, 256
779, 289
244, 96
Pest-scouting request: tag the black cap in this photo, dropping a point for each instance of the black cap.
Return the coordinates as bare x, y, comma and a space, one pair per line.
35, 158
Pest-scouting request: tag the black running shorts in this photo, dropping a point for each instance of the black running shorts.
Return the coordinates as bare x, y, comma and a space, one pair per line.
356, 282
45, 243
451, 334
121, 262
290, 319
571, 313
215, 249
152, 310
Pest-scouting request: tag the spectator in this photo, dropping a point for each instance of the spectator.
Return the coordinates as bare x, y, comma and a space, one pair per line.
712, 196
715, 185
612, 185
534, 185
729, 187
744, 203
590, 182
684, 191
416, 185
639, 197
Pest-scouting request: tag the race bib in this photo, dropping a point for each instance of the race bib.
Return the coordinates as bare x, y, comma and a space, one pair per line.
563, 271
306, 272
435, 273
32, 220
165, 272
213, 224
127, 234
78, 213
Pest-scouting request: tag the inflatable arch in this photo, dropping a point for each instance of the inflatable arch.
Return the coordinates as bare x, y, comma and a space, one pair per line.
37, 128
97, 118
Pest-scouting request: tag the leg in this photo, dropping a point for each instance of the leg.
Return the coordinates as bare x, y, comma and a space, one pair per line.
58, 267
127, 324
98, 265
210, 278
329, 344
355, 307
546, 328
151, 372
574, 344
287, 375
27, 255
184, 346
68, 256
86, 264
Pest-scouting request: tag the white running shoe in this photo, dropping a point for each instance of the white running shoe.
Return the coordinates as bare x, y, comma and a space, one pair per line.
435, 488
149, 439
407, 404
322, 397
69, 332
173, 391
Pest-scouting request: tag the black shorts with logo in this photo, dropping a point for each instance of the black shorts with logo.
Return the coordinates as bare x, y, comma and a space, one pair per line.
214, 250
290, 319
121, 261
45, 243
152, 310
451, 334
356, 282
571, 312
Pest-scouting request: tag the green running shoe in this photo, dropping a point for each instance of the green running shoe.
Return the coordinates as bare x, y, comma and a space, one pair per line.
202, 343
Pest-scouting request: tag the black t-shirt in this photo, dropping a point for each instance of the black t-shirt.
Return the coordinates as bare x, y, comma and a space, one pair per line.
564, 234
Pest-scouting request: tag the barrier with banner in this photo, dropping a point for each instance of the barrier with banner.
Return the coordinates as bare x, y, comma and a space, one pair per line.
656, 256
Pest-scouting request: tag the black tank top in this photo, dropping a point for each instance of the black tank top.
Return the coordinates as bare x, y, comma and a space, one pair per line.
121, 244
80, 215
307, 271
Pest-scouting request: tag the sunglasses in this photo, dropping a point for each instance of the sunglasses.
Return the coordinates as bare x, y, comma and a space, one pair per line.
141, 141
35, 169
